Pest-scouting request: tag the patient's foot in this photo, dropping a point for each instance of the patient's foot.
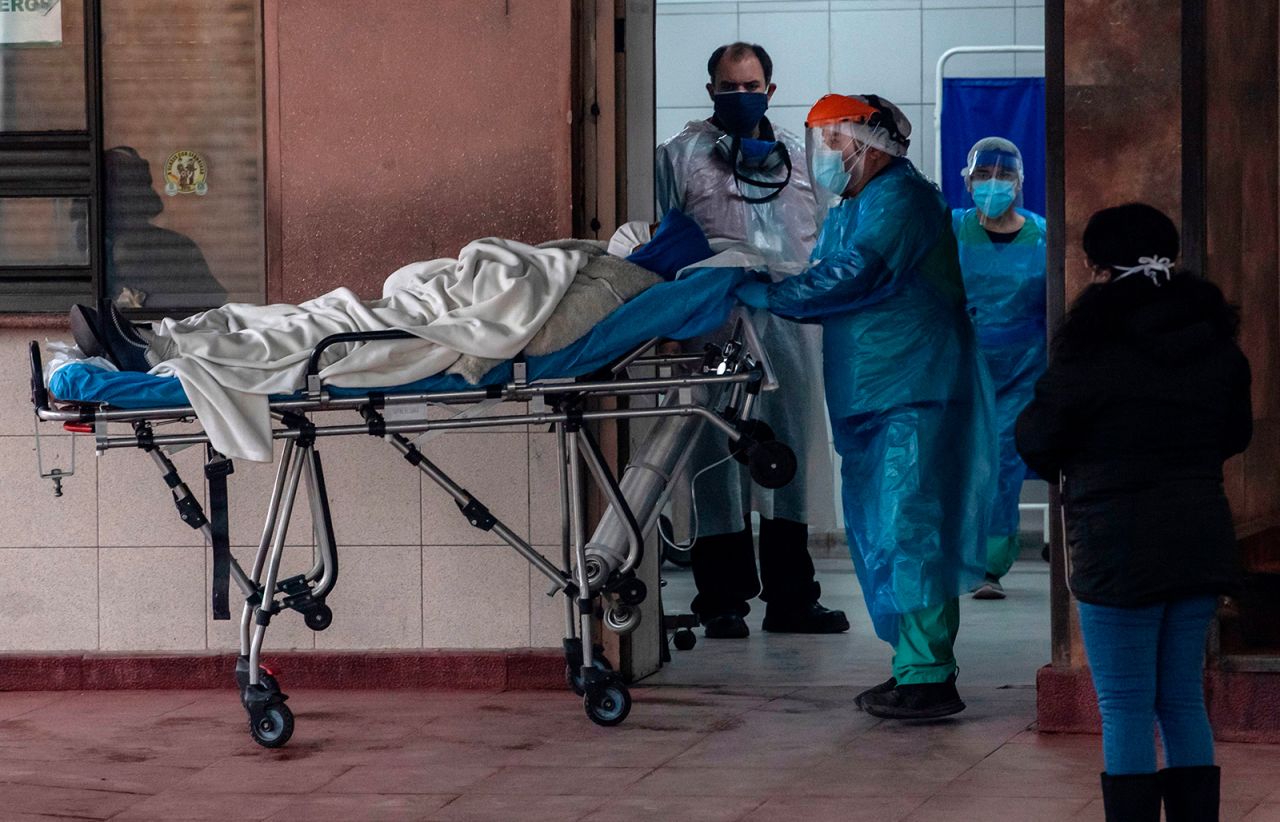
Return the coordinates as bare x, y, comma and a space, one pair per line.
108, 334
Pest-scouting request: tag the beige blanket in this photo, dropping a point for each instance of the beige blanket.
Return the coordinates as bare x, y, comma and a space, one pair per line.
599, 287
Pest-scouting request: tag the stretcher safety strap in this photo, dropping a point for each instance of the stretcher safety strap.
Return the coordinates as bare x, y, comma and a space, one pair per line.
216, 470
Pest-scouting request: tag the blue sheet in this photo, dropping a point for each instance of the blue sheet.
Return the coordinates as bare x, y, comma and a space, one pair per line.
698, 303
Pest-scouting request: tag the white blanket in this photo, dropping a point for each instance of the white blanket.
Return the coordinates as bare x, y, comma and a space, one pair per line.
487, 303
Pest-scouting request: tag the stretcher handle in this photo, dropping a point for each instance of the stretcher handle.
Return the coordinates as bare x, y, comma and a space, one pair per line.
39, 394
313, 364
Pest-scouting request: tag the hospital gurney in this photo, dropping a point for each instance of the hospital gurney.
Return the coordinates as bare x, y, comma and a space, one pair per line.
596, 576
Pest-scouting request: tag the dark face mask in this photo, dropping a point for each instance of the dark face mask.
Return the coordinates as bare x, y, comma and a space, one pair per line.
740, 112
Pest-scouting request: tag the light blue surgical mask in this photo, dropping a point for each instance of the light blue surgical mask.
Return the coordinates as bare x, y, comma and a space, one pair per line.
829, 172
993, 197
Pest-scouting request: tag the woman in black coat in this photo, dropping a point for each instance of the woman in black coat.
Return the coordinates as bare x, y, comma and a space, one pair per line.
1146, 395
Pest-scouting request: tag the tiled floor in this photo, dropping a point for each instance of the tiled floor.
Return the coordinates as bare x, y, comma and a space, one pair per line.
756, 730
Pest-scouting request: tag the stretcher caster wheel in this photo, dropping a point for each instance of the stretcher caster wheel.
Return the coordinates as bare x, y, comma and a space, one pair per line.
632, 592
755, 432
684, 639
273, 727
678, 555
607, 703
622, 619
573, 674
319, 618
773, 464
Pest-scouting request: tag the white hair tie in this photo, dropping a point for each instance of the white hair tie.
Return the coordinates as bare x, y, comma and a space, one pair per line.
1156, 269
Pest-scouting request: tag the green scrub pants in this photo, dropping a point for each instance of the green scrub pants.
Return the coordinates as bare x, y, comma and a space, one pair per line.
925, 652
1001, 552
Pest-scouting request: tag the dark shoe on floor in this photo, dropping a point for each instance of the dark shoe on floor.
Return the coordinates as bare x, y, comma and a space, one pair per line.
989, 589
808, 619
888, 685
1191, 794
1131, 797
725, 626
925, 701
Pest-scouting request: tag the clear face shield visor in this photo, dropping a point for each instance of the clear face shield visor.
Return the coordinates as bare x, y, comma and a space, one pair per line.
994, 178
837, 155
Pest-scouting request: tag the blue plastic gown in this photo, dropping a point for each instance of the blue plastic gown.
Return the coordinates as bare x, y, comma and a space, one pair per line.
909, 398
1005, 286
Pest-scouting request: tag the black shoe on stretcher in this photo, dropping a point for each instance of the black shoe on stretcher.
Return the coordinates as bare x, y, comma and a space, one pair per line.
806, 619
108, 334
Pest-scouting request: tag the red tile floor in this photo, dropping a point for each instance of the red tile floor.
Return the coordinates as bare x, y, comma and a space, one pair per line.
763, 729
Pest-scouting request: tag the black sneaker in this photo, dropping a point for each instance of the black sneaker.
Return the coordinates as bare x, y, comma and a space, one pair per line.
725, 626
84, 329
126, 346
807, 619
926, 701
888, 685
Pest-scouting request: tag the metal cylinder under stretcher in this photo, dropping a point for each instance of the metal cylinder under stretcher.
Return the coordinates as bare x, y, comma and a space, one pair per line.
643, 483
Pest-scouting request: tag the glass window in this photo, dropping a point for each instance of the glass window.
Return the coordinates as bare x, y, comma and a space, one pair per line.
44, 231
43, 85
182, 127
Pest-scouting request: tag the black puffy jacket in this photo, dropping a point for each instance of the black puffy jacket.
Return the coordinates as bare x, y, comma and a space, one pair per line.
1146, 395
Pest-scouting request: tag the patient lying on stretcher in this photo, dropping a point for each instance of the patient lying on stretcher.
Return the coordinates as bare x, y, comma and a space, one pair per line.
499, 298
557, 291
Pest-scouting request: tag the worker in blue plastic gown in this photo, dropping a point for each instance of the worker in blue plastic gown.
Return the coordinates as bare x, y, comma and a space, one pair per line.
909, 398
1002, 257
741, 178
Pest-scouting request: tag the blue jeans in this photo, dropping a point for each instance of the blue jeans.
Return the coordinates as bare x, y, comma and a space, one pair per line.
1148, 667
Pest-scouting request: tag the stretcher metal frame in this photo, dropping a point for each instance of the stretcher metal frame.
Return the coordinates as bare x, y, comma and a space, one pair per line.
727, 379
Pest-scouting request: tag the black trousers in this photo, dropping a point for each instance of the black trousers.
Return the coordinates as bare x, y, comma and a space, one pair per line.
724, 569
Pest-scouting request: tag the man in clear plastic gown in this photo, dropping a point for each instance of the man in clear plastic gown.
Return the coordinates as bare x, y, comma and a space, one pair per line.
741, 178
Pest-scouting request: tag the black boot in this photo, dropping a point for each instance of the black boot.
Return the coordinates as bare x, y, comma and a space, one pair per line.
724, 571
1131, 797
931, 700
806, 619
725, 626
106, 333
1191, 794
888, 685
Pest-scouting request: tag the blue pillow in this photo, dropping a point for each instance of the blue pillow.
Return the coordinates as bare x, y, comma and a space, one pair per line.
678, 242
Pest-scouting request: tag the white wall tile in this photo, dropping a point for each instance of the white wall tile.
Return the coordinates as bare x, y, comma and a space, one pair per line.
948, 28
30, 515
134, 503
669, 121
474, 597
757, 6
249, 494
546, 614
48, 599
151, 598
873, 5
494, 468
928, 141
684, 43
374, 495
16, 413
797, 43
860, 62
378, 599
287, 630
915, 114
695, 7
966, 4
1029, 27
791, 118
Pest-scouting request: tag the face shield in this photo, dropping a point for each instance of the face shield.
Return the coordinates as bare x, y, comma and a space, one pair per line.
993, 177
840, 131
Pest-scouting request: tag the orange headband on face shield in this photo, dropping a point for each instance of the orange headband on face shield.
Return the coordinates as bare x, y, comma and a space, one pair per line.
840, 108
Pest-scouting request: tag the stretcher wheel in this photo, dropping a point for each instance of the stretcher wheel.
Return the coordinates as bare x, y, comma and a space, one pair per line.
756, 431
622, 619
607, 703
633, 592
773, 464
573, 674
274, 727
318, 618
684, 639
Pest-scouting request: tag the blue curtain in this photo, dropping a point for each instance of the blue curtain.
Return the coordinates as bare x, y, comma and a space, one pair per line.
1009, 107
